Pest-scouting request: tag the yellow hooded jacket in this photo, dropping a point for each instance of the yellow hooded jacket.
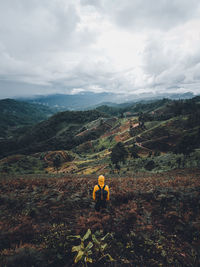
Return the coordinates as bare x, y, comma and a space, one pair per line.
101, 181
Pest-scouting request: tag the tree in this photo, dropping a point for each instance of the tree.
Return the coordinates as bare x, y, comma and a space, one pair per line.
186, 145
157, 153
121, 115
131, 131
150, 165
141, 119
118, 154
57, 162
134, 151
178, 161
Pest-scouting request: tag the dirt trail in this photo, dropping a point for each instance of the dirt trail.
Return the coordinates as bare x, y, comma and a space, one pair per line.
102, 168
153, 140
140, 145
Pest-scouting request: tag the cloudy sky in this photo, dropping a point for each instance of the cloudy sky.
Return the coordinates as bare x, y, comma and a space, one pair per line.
69, 46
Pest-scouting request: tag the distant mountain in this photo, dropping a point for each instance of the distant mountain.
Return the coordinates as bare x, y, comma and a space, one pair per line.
179, 96
72, 102
15, 114
90, 100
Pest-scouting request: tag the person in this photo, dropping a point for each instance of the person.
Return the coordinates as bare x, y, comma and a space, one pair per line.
101, 193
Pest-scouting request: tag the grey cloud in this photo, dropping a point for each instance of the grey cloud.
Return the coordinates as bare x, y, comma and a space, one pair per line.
145, 14
157, 14
52, 46
156, 60
169, 68
33, 36
164, 65
91, 2
10, 89
29, 27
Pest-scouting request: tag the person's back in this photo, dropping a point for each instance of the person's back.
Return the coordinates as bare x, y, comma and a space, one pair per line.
101, 193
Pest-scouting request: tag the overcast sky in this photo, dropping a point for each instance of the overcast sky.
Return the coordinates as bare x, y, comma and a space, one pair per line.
68, 46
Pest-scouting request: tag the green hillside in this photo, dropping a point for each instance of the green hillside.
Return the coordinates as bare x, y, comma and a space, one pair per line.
15, 114
155, 136
57, 132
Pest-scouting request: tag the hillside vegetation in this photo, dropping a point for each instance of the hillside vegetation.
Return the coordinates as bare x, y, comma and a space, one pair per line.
155, 136
15, 114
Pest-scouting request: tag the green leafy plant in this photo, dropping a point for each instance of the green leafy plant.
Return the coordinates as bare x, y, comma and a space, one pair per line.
84, 251
100, 246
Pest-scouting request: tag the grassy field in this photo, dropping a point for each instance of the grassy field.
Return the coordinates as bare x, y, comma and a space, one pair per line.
151, 220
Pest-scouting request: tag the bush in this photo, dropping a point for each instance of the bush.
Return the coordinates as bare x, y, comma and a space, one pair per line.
26, 257
150, 165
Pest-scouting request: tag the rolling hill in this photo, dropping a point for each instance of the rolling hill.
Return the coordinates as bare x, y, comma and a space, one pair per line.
157, 135
15, 114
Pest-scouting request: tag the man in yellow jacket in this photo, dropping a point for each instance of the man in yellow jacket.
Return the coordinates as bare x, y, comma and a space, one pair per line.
101, 193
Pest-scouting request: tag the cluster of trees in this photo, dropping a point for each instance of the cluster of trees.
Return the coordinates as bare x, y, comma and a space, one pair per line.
183, 107
171, 109
119, 154
188, 143
193, 119
57, 162
147, 106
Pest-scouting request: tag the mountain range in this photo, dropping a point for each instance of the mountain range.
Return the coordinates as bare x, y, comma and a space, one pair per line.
90, 100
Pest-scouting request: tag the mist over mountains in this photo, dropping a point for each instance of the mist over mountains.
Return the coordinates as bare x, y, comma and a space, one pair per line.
88, 100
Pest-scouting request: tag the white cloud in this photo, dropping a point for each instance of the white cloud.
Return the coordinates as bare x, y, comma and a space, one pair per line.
99, 45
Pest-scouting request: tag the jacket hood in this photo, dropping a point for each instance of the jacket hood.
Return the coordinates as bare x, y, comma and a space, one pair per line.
101, 180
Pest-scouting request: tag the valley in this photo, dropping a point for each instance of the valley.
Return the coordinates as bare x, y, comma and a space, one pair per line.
157, 136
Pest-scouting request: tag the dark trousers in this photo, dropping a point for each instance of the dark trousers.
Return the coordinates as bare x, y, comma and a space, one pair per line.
100, 204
